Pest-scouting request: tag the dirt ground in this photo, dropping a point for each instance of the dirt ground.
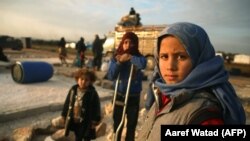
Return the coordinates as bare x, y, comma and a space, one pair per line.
240, 83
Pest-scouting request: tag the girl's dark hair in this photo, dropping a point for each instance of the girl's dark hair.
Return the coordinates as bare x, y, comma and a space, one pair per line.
85, 73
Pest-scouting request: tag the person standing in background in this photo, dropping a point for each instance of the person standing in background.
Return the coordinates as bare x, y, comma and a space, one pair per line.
62, 51
97, 52
132, 11
80, 55
127, 55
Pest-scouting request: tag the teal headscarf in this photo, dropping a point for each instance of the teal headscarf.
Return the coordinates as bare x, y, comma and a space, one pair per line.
208, 70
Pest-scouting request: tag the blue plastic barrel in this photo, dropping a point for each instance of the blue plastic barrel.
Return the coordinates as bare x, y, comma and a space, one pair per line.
30, 72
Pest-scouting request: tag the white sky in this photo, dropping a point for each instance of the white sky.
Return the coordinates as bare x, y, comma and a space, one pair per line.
227, 22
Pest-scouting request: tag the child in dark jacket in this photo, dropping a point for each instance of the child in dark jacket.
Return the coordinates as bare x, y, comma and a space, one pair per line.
127, 55
82, 110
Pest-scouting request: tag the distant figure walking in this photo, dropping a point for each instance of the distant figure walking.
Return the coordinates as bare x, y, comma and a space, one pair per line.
81, 48
97, 52
62, 51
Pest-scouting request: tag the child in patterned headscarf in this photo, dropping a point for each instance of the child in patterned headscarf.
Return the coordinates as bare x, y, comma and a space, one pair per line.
127, 55
193, 86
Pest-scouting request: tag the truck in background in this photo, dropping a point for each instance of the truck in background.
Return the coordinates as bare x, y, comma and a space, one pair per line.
147, 40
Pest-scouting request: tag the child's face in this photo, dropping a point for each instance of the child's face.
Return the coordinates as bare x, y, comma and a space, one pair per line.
127, 44
83, 82
174, 62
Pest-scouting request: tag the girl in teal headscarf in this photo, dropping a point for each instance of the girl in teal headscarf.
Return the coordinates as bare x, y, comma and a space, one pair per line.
193, 86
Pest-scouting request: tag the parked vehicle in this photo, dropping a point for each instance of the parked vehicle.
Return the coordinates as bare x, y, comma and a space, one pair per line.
11, 42
147, 40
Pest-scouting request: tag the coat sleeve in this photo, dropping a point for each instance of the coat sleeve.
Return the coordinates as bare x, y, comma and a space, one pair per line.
96, 113
66, 104
139, 61
114, 69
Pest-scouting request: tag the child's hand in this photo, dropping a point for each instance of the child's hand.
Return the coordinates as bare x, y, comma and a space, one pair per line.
117, 57
123, 58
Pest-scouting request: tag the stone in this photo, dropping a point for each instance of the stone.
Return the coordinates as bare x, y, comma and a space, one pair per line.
59, 136
22, 134
101, 129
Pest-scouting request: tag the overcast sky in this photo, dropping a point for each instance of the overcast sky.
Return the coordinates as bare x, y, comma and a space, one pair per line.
227, 22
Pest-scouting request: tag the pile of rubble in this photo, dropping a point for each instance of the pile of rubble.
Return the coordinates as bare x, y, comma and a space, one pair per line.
51, 133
